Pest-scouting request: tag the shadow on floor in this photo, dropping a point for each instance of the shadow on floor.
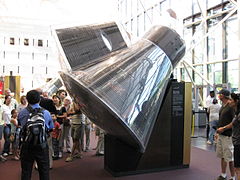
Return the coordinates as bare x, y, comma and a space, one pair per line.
199, 139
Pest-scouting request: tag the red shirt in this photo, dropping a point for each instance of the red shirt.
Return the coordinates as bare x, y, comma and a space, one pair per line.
56, 130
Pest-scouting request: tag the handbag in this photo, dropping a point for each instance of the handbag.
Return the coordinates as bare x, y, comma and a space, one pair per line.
12, 138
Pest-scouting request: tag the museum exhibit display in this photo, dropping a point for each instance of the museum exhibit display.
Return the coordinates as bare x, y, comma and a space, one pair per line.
127, 90
52, 86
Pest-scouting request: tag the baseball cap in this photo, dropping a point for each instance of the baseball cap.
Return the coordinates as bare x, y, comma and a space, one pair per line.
224, 92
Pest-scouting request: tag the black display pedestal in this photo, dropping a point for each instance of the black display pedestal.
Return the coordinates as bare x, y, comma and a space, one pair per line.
165, 147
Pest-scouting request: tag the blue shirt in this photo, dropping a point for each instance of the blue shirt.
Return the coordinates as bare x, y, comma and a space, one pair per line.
24, 115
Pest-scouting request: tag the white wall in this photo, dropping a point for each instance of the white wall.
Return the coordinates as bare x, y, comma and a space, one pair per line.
29, 62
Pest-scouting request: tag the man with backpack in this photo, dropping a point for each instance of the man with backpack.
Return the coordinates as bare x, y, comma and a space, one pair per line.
36, 123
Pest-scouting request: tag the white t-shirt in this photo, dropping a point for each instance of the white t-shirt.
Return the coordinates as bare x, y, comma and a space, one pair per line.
13, 103
213, 110
209, 101
6, 113
21, 107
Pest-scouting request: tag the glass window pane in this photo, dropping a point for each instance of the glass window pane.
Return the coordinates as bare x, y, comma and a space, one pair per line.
124, 8
140, 6
141, 25
233, 74
228, 5
184, 12
185, 74
195, 7
129, 8
215, 73
128, 26
198, 80
187, 35
148, 23
212, 3
164, 6
215, 41
182, 72
156, 12
232, 38
199, 48
134, 7
134, 27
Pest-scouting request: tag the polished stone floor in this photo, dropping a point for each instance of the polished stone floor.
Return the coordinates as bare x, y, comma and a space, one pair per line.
199, 139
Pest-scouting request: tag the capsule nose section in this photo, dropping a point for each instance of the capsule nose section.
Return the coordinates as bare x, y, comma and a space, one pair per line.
169, 41
122, 91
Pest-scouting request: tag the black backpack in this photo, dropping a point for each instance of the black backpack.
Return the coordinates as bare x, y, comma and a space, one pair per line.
34, 132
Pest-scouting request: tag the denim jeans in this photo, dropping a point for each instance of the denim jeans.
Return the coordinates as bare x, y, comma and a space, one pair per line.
55, 144
6, 134
212, 131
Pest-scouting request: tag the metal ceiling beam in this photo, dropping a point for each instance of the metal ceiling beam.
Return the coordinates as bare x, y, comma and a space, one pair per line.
199, 74
209, 17
213, 29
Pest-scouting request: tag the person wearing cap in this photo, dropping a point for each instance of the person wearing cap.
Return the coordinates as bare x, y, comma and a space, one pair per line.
235, 126
224, 147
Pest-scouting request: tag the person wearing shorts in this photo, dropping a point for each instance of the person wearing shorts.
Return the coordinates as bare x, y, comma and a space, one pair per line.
235, 126
77, 132
224, 147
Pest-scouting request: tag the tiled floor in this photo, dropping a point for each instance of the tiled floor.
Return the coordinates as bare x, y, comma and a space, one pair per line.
199, 139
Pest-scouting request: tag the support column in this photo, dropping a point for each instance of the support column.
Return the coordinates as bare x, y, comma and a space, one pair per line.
238, 15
